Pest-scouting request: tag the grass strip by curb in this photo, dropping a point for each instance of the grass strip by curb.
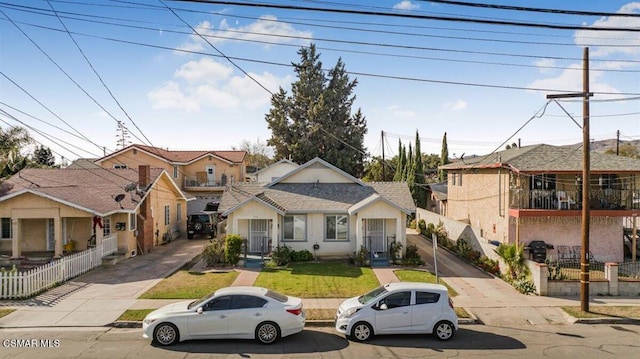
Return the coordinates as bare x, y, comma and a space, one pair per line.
4, 312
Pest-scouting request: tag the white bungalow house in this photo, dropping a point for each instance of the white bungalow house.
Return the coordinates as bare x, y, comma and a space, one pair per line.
320, 208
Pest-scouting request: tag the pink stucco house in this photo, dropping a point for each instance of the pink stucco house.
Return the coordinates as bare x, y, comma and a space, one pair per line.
534, 193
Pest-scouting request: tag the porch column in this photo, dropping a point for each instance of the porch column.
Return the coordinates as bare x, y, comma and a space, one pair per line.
99, 235
401, 232
57, 230
16, 248
275, 232
360, 233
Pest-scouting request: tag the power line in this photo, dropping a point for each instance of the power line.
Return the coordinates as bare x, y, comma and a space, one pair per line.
97, 74
414, 16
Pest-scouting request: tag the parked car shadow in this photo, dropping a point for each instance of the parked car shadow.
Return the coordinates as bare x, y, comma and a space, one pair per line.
465, 339
308, 341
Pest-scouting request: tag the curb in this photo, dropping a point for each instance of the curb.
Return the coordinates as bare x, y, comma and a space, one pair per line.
632, 321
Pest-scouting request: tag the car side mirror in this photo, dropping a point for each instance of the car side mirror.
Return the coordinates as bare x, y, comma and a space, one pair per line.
199, 310
383, 306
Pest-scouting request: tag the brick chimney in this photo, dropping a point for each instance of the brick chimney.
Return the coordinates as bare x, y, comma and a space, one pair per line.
145, 221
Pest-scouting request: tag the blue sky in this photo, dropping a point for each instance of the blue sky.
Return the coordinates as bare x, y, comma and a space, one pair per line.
470, 80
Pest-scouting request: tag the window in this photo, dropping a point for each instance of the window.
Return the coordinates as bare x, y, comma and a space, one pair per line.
167, 214
179, 212
460, 179
336, 227
453, 178
395, 300
175, 171
120, 166
107, 226
5, 228
246, 301
427, 297
295, 228
132, 222
220, 303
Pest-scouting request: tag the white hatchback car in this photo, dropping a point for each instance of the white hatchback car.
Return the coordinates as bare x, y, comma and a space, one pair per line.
398, 308
233, 312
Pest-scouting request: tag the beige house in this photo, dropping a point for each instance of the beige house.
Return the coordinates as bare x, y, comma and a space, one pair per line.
320, 208
42, 210
535, 193
202, 175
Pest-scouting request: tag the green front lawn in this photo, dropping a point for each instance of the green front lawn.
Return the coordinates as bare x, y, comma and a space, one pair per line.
189, 285
135, 315
318, 280
410, 275
604, 311
4, 312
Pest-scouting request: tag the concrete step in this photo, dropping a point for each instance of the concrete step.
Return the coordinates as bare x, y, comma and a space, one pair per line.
113, 259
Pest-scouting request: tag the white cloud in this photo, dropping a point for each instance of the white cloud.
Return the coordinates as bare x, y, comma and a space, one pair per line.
210, 84
266, 29
171, 96
458, 105
626, 41
400, 112
204, 70
544, 64
570, 80
406, 5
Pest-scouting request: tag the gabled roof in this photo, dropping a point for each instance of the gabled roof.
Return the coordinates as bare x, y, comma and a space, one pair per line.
92, 190
282, 161
181, 156
316, 162
549, 159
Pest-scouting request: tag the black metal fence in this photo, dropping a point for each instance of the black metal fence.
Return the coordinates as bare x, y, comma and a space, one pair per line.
629, 270
570, 270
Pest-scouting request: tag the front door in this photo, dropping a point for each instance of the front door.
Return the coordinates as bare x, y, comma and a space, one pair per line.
213, 321
211, 175
375, 238
258, 235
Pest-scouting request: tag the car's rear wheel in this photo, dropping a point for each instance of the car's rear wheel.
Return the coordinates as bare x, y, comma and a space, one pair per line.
166, 334
444, 330
267, 333
361, 332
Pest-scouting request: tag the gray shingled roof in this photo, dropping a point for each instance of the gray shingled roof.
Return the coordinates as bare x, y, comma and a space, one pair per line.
547, 158
321, 197
92, 189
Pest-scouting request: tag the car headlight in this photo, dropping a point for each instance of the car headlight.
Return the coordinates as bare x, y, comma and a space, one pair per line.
148, 321
350, 312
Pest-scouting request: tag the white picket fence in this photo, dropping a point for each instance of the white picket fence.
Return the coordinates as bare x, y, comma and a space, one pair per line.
15, 285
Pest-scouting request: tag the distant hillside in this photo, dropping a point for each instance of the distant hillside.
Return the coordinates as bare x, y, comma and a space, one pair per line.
604, 145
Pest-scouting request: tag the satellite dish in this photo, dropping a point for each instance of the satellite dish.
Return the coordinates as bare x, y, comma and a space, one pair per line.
119, 197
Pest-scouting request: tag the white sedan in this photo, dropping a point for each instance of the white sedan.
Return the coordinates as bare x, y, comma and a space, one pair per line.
233, 312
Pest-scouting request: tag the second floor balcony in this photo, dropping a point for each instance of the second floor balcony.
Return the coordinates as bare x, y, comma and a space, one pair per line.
600, 199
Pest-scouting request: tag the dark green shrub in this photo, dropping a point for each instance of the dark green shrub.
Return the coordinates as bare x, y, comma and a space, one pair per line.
489, 265
412, 224
301, 256
281, 255
232, 249
412, 257
213, 253
395, 251
361, 257
422, 226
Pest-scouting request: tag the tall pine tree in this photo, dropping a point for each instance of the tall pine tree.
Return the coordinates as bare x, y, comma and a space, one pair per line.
444, 159
316, 119
418, 189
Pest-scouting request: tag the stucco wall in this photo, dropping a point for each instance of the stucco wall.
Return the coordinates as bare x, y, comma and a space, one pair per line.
321, 173
276, 170
221, 167
161, 195
482, 200
605, 234
457, 230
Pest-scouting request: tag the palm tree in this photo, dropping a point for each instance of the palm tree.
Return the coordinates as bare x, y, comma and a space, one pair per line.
12, 141
513, 257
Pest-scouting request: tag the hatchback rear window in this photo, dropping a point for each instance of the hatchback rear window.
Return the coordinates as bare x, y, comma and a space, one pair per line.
277, 296
427, 297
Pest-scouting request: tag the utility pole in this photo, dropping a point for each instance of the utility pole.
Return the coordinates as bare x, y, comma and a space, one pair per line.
618, 143
586, 176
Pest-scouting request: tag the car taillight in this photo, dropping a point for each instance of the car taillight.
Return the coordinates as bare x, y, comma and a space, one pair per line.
451, 303
296, 311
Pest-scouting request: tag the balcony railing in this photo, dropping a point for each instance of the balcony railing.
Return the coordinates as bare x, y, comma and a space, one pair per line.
604, 199
195, 182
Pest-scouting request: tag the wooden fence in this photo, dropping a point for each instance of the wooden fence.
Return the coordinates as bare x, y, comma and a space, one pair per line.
17, 285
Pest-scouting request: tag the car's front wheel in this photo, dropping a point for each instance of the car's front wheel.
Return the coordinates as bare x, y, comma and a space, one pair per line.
166, 334
267, 333
444, 330
361, 332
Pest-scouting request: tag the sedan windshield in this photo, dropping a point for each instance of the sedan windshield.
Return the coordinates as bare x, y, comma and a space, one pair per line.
364, 299
201, 300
